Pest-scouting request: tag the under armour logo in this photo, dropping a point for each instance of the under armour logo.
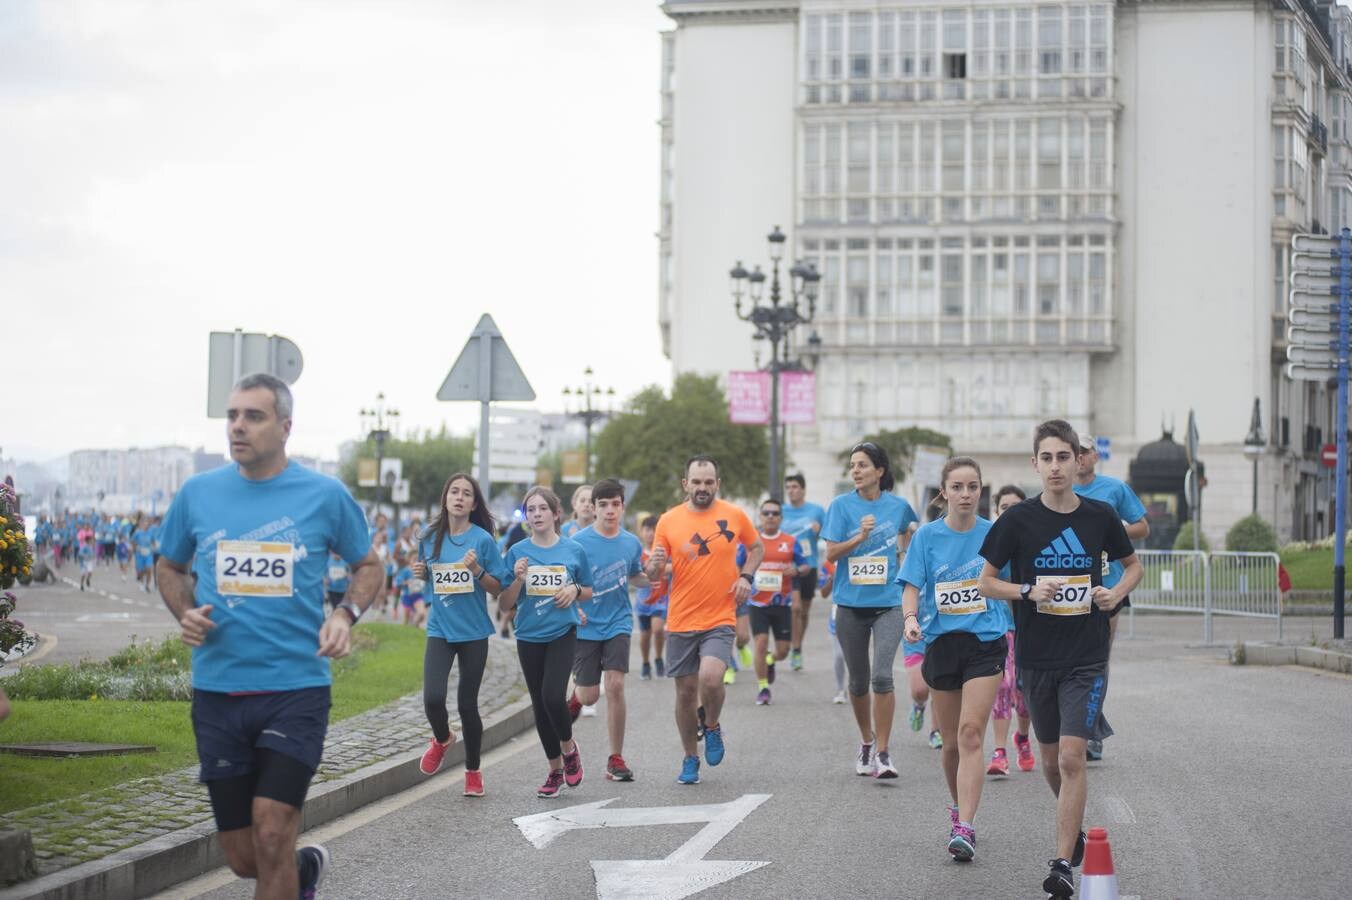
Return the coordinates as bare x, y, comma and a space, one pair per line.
703, 543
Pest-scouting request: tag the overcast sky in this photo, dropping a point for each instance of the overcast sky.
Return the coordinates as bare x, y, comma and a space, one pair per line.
364, 178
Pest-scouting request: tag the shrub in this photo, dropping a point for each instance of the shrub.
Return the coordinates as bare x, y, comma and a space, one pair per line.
1183, 541
1251, 535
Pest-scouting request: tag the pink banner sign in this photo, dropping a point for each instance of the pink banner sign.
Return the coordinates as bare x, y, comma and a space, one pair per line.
749, 398
797, 398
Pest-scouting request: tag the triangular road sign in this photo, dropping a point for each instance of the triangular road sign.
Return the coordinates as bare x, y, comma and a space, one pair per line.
503, 376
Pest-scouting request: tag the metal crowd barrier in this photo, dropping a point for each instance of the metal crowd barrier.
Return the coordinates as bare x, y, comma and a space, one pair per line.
1222, 583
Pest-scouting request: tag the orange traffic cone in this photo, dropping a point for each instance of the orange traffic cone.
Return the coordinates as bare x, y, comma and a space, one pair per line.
1097, 880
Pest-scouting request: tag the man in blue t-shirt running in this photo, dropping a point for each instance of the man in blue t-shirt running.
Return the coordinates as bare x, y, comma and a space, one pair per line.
258, 536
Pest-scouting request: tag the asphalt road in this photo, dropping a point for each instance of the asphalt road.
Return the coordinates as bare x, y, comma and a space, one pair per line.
90, 624
1222, 782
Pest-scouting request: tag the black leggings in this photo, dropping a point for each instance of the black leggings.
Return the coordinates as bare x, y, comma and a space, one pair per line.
437, 661
547, 667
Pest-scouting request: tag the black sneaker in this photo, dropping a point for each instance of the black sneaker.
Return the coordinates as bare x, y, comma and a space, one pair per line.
1077, 857
311, 862
699, 732
1060, 881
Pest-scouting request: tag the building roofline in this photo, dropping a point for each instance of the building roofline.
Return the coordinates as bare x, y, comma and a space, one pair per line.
684, 11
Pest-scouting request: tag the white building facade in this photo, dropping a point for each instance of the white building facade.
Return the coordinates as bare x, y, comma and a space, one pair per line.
1020, 211
127, 480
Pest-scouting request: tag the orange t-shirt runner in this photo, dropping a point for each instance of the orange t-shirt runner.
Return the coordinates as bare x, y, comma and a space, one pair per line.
702, 546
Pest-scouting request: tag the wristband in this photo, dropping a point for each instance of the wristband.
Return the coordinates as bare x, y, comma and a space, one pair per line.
750, 579
351, 609
910, 616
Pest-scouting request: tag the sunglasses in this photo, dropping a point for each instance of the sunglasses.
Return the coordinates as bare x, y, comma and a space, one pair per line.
866, 445
771, 512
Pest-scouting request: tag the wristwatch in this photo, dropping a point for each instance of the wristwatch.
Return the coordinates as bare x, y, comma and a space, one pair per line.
1025, 590
750, 579
351, 609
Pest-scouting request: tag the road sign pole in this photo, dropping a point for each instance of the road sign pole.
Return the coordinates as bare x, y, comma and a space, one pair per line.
1340, 503
485, 397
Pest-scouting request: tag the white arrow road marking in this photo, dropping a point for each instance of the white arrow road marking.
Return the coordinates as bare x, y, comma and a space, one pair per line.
681, 874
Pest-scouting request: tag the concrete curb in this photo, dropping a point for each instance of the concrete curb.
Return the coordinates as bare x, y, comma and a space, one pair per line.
1258, 654
167, 860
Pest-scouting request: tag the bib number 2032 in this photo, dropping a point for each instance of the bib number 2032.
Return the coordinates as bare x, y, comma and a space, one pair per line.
959, 598
1071, 599
254, 569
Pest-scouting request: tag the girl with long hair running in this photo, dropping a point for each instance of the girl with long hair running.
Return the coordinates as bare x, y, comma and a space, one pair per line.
548, 575
460, 561
965, 635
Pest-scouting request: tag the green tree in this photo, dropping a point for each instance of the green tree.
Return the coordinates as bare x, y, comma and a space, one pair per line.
901, 445
1183, 540
1251, 534
429, 459
652, 441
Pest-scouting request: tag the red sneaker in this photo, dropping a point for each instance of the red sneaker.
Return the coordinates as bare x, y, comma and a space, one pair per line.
574, 706
474, 783
616, 770
432, 756
1025, 749
999, 763
553, 784
572, 766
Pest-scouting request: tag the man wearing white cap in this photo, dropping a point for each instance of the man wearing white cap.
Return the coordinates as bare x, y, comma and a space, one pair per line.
1131, 511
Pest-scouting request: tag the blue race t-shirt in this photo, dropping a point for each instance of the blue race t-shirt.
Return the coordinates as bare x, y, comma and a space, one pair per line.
260, 550
613, 561
1123, 500
457, 601
143, 540
867, 577
798, 521
337, 575
944, 566
538, 620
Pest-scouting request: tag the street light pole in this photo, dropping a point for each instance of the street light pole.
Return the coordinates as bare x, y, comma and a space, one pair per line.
1254, 442
775, 322
374, 420
587, 413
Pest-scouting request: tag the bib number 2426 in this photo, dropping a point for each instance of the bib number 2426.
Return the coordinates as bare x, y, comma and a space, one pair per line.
254, 568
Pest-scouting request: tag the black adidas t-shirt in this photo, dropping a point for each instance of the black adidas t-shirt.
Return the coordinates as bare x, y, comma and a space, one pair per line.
1068, 630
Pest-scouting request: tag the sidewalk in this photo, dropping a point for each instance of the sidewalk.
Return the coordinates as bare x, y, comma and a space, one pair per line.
72, 835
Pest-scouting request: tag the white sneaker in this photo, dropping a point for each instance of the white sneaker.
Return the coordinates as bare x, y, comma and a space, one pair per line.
839, 697
863, 763
883, 767
589, 710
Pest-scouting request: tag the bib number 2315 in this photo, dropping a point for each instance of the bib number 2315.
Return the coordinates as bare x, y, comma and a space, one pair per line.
868, 570
545, 581
254, 569
1072, 599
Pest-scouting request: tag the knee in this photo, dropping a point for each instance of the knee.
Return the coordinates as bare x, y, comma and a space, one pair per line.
1070, 760
614, 686
708, 682
970, 737
272, 841
882, 683
238, 854
686, 690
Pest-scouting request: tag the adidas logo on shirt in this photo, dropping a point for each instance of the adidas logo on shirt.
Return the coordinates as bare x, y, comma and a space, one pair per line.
1064, 552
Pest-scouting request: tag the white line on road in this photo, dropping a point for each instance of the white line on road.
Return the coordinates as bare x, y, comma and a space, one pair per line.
1116, 811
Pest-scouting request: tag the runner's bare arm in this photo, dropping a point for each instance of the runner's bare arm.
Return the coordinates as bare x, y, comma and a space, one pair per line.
837, 550
335, 635
1138, 530
507, 599
367, 578
991, 585
1107, 599
176, 588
